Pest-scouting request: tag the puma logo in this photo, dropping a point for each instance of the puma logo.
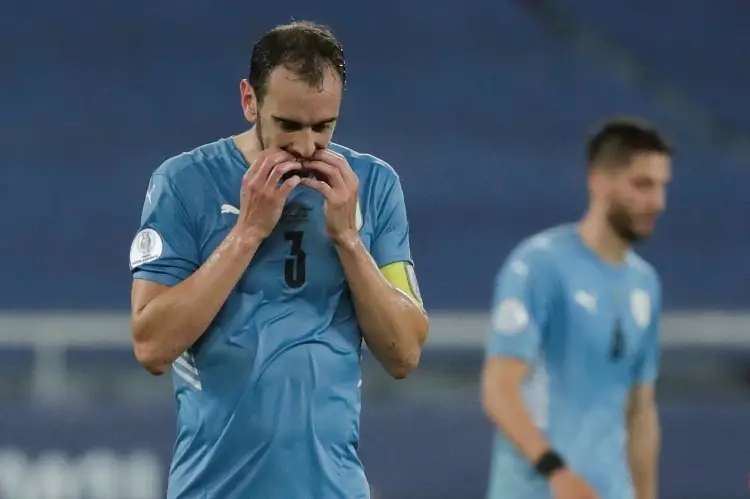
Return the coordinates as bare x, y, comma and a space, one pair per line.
228, 208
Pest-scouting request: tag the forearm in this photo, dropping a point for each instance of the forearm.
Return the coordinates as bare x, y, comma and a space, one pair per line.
392, 323
171, 322
643, 451
505, 406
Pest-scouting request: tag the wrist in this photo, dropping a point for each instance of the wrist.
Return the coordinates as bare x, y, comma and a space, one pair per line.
244, 241
348, 240
549, 463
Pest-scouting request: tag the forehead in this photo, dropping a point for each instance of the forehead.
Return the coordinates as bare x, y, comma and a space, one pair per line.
656, 166
290, 96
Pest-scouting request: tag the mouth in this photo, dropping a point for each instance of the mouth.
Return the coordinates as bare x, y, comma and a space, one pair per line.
303, 173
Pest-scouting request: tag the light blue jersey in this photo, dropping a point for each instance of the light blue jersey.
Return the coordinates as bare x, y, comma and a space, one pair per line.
589, 331
268, 399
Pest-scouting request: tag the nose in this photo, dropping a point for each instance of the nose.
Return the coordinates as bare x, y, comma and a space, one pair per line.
660, 200
303, 145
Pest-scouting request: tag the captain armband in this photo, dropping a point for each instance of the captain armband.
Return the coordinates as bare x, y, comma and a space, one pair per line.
402, 276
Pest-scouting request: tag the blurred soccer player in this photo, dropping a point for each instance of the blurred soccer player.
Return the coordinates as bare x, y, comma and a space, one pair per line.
574, 351
261, 263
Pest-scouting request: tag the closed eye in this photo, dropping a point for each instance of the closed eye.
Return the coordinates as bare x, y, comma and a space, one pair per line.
291, 125
322, 127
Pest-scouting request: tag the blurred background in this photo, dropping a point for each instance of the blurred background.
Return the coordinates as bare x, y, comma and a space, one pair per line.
482, 107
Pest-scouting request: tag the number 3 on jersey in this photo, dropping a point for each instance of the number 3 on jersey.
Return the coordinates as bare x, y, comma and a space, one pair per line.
294, 267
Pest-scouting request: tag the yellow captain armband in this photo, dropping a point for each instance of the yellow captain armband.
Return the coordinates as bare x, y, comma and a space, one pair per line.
401, 275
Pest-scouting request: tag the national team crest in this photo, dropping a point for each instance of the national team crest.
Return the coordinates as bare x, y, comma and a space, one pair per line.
640, 307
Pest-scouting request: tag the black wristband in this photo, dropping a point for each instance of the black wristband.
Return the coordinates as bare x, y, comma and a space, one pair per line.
548, 463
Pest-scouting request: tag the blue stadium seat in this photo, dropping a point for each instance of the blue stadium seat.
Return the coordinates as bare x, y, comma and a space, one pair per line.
481, 111
697, 46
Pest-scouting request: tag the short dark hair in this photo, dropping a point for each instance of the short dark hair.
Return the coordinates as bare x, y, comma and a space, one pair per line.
617, 140
306, 48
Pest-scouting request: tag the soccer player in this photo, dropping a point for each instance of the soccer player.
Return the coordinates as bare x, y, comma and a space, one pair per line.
573, 353
261, 263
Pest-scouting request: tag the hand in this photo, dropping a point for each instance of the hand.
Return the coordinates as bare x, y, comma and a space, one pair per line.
567, 485
339, 185
261, 197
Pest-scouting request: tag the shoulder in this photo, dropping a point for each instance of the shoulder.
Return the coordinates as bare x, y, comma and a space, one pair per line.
540, 257
545, 248
366, 166
191, 167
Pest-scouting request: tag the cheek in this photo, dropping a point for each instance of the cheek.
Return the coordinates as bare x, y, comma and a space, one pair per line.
645, 204
622, 201
324, 138
637, 203
630, 195
279, 138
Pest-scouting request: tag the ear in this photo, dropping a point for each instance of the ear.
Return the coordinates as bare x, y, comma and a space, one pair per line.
599, 183
249, 101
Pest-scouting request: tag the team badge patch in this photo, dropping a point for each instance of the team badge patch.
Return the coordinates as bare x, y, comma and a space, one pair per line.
510, 317
147, 246
640, 307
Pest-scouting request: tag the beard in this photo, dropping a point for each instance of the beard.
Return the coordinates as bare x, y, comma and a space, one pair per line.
623, 225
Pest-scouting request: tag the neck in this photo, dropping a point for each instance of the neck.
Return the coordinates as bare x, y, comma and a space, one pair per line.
598, 235
248, 145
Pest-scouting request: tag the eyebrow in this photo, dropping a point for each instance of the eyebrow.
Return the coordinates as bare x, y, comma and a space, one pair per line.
291, 121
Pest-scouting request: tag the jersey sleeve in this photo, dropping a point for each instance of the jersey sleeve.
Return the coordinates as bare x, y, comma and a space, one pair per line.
646, 368
523, 297
165, 249
391, 234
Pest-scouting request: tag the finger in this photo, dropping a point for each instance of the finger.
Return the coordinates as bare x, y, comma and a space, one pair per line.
329, 172
246, 177
278, 172
337, 160
289, 185
262, 167
318, 185
331, 155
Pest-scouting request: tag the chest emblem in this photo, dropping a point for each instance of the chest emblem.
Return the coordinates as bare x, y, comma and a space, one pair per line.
640, 307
